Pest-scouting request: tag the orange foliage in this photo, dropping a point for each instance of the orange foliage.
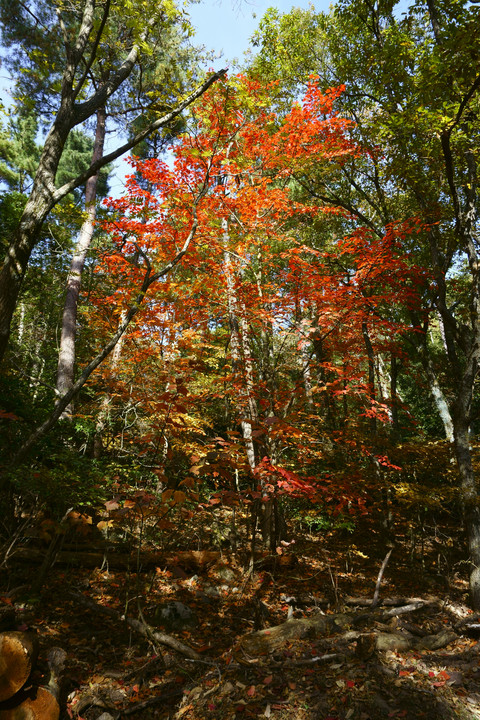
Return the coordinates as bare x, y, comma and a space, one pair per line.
234, 176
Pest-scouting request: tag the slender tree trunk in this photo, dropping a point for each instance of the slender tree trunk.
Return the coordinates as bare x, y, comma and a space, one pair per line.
394, 394
371, 373
236, 347
66, 355
248, 363
437, 393
328, 400
107, 399
471, 508
21, 323
442, 407
267, 512
305, 360
272, 518
383, 379
345, 396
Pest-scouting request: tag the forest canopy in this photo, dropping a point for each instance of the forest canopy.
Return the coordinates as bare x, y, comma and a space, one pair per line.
282, 310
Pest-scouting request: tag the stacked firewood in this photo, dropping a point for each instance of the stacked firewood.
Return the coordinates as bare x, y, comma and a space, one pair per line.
20, 697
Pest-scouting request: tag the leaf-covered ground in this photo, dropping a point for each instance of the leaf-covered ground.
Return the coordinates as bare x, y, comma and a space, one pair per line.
113, 669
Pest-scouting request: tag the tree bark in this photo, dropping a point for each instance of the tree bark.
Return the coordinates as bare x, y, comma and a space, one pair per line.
394, 394
107, 399
468, 342
469, 498
236, 343
437, 394
371, 375
67, 352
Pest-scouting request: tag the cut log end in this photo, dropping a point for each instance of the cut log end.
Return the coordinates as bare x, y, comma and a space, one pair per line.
40, 704
18, 652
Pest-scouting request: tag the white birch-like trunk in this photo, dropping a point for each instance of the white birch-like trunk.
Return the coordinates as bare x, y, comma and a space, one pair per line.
21, 322
439, 400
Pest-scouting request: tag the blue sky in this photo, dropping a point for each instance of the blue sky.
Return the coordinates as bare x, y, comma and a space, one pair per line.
227, 25
224, 27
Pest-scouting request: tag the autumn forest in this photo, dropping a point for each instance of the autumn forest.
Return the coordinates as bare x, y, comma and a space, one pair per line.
239, 457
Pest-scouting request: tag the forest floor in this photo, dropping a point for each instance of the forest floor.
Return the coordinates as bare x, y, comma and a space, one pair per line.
322, 676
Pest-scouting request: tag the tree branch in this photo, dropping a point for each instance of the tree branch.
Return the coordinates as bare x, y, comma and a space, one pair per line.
148, 280
93, 53
139, 137
85, 30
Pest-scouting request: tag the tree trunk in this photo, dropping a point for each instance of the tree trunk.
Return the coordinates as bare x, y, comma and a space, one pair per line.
371, 375
66, 355
437, 394
471, 509
242, 364
107, 398
36, 210
469, 487
236, 343
304, 360
394, 394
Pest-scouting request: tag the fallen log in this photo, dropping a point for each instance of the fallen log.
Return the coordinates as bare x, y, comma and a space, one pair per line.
18, 653
410, 607
407, 641
266, 641
387, 602
192, 559
187, 559
163, 639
